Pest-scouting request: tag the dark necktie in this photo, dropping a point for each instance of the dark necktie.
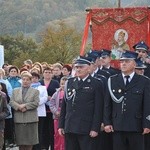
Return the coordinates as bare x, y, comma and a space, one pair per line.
127, 80
80, 82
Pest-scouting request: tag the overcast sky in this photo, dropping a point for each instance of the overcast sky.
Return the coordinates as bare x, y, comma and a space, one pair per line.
126, 3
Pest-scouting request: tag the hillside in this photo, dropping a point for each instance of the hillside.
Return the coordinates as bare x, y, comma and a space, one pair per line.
30, 16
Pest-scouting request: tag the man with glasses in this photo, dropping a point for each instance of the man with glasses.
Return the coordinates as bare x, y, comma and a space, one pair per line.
127, 106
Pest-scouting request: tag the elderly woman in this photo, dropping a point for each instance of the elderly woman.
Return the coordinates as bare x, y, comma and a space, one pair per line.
25, 101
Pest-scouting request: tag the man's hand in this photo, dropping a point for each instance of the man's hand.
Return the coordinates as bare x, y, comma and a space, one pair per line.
61, 132
146, 131
109, 128
93, 134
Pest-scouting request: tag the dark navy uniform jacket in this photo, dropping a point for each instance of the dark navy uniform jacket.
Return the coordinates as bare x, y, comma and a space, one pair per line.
84, 111
133, 113
112, 70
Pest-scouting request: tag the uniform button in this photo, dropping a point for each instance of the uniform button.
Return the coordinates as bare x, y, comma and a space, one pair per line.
125, 104
73, 110
124, 110
125, 93
125, 98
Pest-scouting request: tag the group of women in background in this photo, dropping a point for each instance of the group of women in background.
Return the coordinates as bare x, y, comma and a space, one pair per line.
34, 99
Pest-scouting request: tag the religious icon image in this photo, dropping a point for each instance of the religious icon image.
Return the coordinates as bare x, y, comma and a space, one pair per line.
119, 43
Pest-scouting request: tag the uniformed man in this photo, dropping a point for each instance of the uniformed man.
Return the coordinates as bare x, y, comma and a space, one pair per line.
97, 67
106, 62
94, 68
142, 49
102, 75
140, 67
127, 106
82, 109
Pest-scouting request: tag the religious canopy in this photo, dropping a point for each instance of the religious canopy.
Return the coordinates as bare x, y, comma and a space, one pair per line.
116, 27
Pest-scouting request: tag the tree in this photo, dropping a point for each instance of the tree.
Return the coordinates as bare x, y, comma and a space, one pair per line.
60, 44
16, 46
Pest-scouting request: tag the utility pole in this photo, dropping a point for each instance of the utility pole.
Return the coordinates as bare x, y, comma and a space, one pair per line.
119, 3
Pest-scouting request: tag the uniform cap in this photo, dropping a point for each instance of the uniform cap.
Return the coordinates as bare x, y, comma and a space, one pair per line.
94, 53
105, 53
139, 64
81, 60
141, 46
129, 55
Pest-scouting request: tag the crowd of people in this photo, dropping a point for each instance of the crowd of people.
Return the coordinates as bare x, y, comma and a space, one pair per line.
86, 105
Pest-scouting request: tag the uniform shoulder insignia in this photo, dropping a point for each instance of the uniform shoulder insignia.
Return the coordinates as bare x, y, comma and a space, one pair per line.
97, 78
143, 76
146, 77
114, 76
71, 78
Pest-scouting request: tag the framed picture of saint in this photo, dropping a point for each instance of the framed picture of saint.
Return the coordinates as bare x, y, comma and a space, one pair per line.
119, 43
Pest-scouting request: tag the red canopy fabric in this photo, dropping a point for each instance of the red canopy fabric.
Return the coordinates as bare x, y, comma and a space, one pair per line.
107, 21
109, 25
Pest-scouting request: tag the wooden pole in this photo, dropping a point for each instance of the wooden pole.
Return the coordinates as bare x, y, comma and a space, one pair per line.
119, 3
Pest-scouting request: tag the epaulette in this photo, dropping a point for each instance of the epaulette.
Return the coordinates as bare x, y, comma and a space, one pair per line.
97, 78
145, 77
113, 75
72, 78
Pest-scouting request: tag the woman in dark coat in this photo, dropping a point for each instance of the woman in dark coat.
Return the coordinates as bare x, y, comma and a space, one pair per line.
51, 86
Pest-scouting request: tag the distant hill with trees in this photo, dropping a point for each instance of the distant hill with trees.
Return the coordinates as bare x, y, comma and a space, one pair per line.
47, 30
31, 16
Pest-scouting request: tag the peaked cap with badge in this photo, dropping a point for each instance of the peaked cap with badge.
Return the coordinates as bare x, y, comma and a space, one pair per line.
82, 60
141, 46
129, 55
140, 64
105, 53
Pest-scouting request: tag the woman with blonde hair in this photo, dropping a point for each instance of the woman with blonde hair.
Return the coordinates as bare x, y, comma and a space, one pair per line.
25, 101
